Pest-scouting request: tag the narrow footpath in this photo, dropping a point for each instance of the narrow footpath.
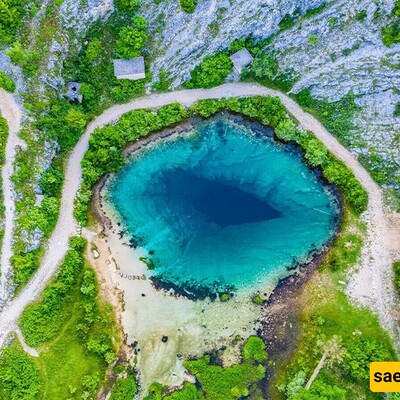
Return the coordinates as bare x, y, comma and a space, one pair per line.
11, 112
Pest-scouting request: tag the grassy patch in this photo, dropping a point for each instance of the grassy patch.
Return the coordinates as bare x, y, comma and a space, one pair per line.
74, 332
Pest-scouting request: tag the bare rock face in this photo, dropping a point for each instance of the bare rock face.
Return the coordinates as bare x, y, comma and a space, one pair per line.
78, 15
181, 40
345, 56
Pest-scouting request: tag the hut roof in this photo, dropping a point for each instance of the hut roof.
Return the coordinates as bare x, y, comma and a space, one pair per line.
241, 59
128, 68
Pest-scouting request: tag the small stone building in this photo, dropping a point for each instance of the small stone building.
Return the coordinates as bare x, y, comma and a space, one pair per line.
130, 69
241, 59
73, 92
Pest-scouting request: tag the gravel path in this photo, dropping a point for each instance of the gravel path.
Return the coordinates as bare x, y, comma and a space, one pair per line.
11, 112
370, 285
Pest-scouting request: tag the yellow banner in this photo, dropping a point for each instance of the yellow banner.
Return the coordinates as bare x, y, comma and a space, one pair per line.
384, 377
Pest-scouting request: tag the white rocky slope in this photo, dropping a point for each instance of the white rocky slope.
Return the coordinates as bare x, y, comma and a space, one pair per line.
348, 57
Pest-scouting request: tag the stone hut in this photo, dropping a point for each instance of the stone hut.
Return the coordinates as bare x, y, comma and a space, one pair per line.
241, 59
73, 92
130, 69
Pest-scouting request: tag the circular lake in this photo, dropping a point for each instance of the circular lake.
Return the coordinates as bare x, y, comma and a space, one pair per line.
223, 205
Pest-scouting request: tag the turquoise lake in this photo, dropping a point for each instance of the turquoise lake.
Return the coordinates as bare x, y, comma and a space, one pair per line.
223, 205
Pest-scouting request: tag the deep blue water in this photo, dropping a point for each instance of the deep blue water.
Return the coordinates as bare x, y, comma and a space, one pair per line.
223, 204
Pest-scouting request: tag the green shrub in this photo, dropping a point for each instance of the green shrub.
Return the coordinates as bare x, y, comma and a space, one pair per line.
396, 9
396, 112
224, 297
124, 388
288, 20
356, 196
127, 5
361, 15
189, 392
264, 66
11, 14
19, 376
28, 60
51, 180
257, 299
211, 72
163, 84
360, 353
75, 119
313, 40
316, 152
188, 5
24, 265
320, 391
254, 350
391, 34
63, 123
3, 139
7, 83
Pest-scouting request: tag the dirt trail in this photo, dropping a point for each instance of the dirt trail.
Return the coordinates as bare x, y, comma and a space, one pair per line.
11, 112
371, 285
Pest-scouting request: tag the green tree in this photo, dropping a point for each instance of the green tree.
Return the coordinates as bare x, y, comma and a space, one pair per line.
333, 354
132, 39
51, 180
254, 350
211, 72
